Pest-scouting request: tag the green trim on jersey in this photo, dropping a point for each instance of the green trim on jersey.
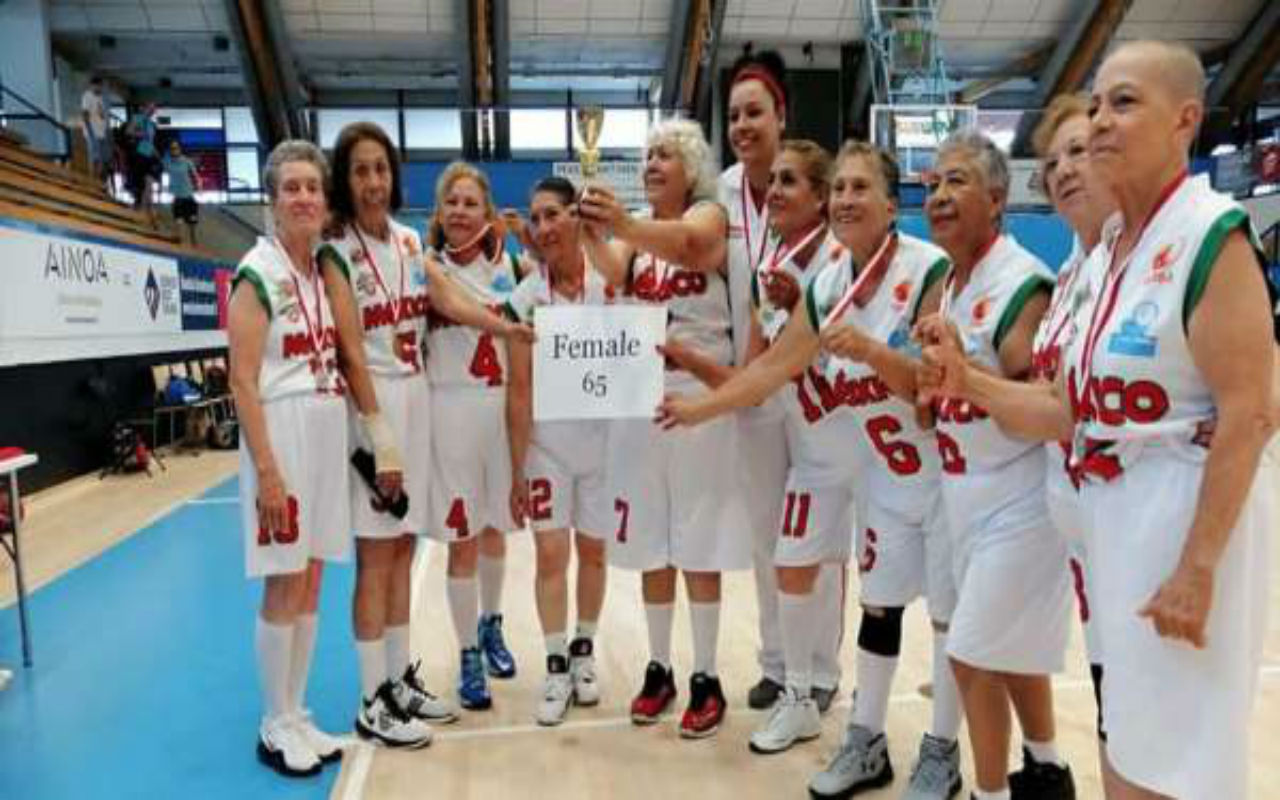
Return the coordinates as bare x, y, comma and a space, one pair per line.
936, 273
515, 266
1210, 249
755, 289
510, 312
811, 305
259, 288
327, 249
1026, 291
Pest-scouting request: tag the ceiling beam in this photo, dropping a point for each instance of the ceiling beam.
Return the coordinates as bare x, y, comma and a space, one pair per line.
500, 26
1239, 83
1025, 66
674, 65
271, 81
1073, 59
711, 22
465, 14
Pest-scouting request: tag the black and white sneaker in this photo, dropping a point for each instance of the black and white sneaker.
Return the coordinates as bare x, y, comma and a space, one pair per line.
381, 719
282, 747
1038, 781
413, 697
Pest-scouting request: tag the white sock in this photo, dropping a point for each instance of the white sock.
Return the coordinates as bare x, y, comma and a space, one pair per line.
274, 646
557, 644
373, 665
1002, 794
660, 617
304, 644
704, 620
397, 638
875, 679
795, 613
1044, 752
491, 571
586, 629
464, 606
947, 711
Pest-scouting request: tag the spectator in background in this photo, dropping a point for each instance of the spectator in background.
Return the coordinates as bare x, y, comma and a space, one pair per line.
144, 158
184, 180
93, 115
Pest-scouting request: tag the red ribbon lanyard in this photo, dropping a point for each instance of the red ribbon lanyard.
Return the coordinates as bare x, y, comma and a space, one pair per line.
878, 264
396, 302
748, 206
315, 333
784, 252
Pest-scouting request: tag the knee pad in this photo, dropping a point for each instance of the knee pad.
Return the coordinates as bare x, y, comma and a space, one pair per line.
881, 631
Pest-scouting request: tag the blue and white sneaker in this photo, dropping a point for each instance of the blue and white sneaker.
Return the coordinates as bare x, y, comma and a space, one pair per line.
473, 688
501, 664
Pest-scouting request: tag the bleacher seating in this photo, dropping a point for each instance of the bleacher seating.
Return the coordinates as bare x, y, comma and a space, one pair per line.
35, 189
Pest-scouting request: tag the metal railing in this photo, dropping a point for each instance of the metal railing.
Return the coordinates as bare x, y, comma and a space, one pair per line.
34, 116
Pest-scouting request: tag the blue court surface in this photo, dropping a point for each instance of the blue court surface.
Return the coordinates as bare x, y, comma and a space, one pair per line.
144, 682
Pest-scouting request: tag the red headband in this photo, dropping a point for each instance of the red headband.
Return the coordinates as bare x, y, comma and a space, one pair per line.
771, 85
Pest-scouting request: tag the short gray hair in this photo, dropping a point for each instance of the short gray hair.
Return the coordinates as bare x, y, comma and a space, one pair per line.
994, 163
694, 152
287, 152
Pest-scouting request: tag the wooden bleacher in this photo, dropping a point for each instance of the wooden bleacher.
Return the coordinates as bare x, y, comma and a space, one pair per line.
35, 189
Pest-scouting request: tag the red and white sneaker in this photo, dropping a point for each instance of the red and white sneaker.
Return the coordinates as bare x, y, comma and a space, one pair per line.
658, 693
706, 707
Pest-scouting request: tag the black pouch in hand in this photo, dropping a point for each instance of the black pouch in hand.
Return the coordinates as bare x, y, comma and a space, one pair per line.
364, 465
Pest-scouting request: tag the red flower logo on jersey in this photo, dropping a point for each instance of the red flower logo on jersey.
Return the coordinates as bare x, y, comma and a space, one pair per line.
357, 255
366, 284
1162, 264
901, 294
981, 309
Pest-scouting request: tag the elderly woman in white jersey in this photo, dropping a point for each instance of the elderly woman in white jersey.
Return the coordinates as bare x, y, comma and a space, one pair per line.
671, 511
471, 474
1170, 383
1034, 410
285, 377
383, 271
558, 467
845, 417
1009, 629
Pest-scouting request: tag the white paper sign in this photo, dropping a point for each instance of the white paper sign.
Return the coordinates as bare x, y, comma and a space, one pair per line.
626, 178
597, 362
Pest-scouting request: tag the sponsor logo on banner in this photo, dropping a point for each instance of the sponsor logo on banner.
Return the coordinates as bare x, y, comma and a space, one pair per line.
1132, 339
204, 288
152, 294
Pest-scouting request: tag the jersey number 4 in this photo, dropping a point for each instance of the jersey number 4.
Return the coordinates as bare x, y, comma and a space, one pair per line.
485, 364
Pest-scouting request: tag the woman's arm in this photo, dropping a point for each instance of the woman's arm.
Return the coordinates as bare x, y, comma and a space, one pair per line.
519, 423
247, 325
784, 359
696, 241
457, 304
610, 258
1230, 335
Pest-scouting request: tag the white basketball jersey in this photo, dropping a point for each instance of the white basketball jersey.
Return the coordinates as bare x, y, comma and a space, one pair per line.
883, 307
569, 441
697, 304
462, 356
820, 428
1002, 282
750, 240
390, 286
301, 352
1130, 373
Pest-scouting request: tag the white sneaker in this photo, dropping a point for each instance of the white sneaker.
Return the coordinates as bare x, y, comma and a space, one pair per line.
413, 697
282, 747
793, 719
862, 762
582, 666
382, 720
557, 692
326, 747
6, 675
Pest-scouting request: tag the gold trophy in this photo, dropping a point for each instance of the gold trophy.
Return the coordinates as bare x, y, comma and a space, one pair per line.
590, 122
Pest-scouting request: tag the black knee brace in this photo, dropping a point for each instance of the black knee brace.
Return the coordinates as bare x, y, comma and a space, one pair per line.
881, 631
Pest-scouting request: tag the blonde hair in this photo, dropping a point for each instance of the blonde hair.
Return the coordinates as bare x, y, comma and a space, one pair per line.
1062, 108
685, 136
817, 162
456, 171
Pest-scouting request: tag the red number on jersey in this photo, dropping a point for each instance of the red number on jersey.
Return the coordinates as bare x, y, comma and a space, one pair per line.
291, 530
485, 364
624, 508
952, 461
902, 457
540, 499
457, 519
868, 560
795, 518
1082, 596
407, 349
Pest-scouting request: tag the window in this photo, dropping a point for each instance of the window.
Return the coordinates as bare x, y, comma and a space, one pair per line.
538, 129
243, 171
332, 120
432, 129
189, 117
240, 127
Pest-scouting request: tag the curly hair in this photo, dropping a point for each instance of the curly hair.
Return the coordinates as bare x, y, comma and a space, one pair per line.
686, 137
